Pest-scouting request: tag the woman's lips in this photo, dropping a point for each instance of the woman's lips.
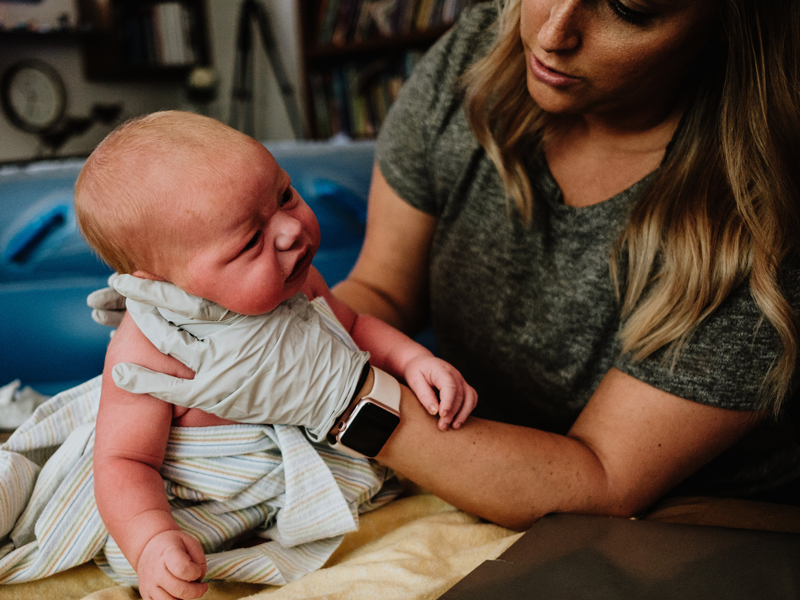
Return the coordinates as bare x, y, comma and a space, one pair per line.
550, 76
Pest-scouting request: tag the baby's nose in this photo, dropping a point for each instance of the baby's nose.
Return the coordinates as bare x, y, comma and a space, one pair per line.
288, 231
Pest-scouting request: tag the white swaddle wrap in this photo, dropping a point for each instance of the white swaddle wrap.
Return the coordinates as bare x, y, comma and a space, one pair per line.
301, 355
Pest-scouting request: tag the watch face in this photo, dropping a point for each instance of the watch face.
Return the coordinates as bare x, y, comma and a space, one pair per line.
369, 428
34, 97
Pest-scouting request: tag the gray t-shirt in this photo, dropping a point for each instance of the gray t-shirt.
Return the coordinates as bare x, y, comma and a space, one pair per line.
529, 314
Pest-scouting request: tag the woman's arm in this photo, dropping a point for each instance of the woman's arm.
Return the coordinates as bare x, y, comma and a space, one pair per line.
630, 445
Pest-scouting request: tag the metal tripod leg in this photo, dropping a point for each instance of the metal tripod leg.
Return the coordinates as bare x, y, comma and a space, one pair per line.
242, 114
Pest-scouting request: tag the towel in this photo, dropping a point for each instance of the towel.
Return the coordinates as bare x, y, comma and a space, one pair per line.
225, 484
413, 548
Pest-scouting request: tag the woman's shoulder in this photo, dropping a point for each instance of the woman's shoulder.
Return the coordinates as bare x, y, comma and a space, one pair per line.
471, 37
477, 24
436, 76
426, 125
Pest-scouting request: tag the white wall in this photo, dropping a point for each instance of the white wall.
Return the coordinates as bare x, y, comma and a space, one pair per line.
65, 57
138, 98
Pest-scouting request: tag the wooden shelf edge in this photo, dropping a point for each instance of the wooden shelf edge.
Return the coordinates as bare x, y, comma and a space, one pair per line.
53, 35
399, 42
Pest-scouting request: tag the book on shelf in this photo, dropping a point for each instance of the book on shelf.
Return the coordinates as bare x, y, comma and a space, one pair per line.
424, 14
381, 12
340, 22
362, 123
364, 26
336, 125
329, 11
157, 35
339, 101
451, 10
344, 22
171, 20
353, 98
322, 104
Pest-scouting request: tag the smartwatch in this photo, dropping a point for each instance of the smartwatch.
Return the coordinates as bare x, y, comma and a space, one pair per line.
367, 426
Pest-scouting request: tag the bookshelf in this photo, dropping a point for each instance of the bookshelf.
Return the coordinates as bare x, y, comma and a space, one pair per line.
143, 39
357, 54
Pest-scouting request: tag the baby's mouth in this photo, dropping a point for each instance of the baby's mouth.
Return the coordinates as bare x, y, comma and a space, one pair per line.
300, 267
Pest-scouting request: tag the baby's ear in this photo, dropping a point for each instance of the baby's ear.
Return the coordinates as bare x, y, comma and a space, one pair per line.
147, 275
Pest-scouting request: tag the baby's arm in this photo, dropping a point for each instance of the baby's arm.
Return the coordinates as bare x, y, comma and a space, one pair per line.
131, 438
396, 353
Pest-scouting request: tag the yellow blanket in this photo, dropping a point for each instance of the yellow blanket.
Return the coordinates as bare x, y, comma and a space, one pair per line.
413, 548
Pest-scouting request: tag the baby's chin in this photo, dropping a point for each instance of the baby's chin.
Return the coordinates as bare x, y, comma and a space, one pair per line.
252, 309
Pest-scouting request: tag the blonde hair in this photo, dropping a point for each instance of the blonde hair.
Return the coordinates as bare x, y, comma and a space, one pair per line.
723, 209
136, 171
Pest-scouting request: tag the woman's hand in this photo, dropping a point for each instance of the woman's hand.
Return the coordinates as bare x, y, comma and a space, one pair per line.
107, 304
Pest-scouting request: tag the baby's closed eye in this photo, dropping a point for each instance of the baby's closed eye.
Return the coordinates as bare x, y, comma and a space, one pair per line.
253, 241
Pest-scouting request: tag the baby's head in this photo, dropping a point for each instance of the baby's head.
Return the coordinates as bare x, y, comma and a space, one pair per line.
183, 198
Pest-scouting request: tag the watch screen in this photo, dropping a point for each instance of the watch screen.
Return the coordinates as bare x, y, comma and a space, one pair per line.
369, 429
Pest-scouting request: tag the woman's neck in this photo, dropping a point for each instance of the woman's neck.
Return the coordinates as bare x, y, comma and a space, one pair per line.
634, 131
593, 158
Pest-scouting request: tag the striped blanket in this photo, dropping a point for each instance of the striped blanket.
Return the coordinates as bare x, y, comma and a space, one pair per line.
226, 485
267, 505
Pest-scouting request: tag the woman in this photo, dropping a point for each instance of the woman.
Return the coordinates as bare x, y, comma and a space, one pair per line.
596, 202
628, 315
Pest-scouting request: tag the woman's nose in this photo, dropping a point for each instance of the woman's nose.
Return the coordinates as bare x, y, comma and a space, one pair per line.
288, 230
561, 30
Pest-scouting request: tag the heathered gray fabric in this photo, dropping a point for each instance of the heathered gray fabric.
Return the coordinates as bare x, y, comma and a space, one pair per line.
529, 315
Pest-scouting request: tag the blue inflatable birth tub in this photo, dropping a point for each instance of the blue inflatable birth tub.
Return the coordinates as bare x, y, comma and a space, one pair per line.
49, 340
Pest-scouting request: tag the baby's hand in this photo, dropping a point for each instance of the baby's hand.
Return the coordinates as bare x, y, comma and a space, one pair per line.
171, 566
425, 374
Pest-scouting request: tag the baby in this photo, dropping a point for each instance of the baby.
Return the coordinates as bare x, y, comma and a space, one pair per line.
180, 198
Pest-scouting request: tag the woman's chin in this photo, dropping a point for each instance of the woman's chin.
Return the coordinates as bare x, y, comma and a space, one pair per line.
552, 100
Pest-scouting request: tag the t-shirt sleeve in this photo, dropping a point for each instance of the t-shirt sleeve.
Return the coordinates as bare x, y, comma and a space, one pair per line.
726, 360
405, 144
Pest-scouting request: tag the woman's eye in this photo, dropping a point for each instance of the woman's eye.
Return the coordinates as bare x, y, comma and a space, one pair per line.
253, 241
287, 197
629, 15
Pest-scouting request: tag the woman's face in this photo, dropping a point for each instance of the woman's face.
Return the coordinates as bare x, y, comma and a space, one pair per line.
622, 59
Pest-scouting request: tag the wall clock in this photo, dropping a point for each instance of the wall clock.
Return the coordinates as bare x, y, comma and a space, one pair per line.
33, 96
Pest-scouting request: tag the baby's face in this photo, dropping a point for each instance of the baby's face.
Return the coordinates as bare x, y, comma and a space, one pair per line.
249, 241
